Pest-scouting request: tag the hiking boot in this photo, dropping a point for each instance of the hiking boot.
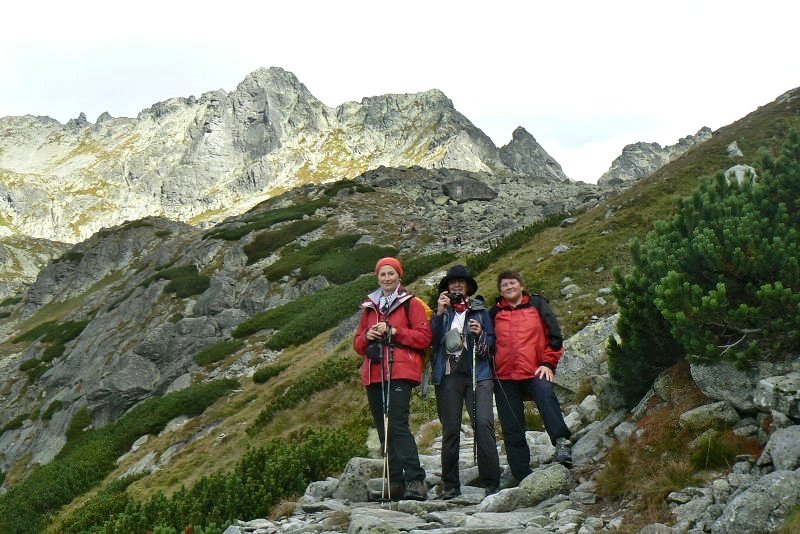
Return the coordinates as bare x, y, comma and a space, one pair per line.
396, 490
563, 452
490, 490
451, 493
416, 490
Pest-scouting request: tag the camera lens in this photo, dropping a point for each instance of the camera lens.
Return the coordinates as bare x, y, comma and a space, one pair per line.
456, 298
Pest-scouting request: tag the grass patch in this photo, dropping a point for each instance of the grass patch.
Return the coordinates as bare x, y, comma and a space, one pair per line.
266, 219
791, 524
218, 352
719, 451
265, 243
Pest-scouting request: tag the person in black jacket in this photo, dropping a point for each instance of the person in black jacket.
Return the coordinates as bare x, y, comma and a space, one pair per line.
462, 337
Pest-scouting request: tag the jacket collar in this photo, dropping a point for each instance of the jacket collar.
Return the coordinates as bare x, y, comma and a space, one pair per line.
374, 298
501, 302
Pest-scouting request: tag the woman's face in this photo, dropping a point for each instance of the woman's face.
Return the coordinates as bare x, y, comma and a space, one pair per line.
457, 285
388, 279
511, 289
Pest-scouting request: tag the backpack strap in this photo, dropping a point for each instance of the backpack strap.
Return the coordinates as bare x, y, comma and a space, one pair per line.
555, 339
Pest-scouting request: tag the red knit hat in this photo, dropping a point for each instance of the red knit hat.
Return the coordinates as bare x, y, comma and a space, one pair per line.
394, 262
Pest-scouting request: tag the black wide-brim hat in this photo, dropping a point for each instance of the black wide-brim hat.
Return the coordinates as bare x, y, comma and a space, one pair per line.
458, 271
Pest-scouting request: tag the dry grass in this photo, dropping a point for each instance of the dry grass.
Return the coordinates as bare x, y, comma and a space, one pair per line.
643, 471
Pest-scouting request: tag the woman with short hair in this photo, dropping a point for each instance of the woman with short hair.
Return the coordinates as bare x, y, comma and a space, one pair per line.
528, 345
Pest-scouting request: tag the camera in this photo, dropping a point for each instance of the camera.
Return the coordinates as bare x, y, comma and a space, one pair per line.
456, 297
375, 351
375, 348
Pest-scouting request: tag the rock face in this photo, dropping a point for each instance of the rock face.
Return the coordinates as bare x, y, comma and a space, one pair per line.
524, 155
642, 159
201, 159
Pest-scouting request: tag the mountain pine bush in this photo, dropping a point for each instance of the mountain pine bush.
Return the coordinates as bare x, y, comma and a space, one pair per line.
719, 280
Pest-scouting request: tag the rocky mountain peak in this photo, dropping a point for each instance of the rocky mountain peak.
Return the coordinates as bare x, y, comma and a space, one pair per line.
199, 160
524, 155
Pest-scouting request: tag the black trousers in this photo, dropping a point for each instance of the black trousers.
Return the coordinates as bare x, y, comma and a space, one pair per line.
451, 395
403, 456
509, 396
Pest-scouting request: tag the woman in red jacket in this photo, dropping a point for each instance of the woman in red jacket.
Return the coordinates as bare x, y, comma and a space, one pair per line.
393, 330
528, 345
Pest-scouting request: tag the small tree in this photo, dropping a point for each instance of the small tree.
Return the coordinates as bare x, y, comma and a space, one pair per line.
718, 280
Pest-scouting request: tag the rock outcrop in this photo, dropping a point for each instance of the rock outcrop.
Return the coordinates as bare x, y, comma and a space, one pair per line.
643, 159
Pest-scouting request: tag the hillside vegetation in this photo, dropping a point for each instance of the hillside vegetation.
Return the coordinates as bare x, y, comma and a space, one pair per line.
211, 479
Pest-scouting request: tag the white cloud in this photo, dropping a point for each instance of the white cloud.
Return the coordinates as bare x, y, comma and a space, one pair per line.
583, 77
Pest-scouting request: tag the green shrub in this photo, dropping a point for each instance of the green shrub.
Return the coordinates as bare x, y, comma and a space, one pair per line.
9, 301
2, 477
5, 314
51, 409
80, 422
37, 332
218, 352
30, 364
54, 332
53, 351
328, 374
14, 423
184, 281
265, 243
265, 373
266, 219
71, 256
263, 477
89, 456
719, 280
336, 259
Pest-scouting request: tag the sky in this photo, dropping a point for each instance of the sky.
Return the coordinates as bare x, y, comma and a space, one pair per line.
584, 77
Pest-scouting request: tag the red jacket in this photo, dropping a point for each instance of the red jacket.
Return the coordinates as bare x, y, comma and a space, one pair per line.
522, 340
412, 335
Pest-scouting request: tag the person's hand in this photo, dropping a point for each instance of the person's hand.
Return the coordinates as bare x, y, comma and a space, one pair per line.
545, 373
475, 326
443, 303
373, 334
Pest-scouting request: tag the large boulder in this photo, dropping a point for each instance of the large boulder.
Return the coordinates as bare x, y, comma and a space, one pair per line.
783, 449
466, 189
762, 507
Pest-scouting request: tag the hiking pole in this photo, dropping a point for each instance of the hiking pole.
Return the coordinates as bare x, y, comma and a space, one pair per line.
385, 490
474, 404
388, 393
